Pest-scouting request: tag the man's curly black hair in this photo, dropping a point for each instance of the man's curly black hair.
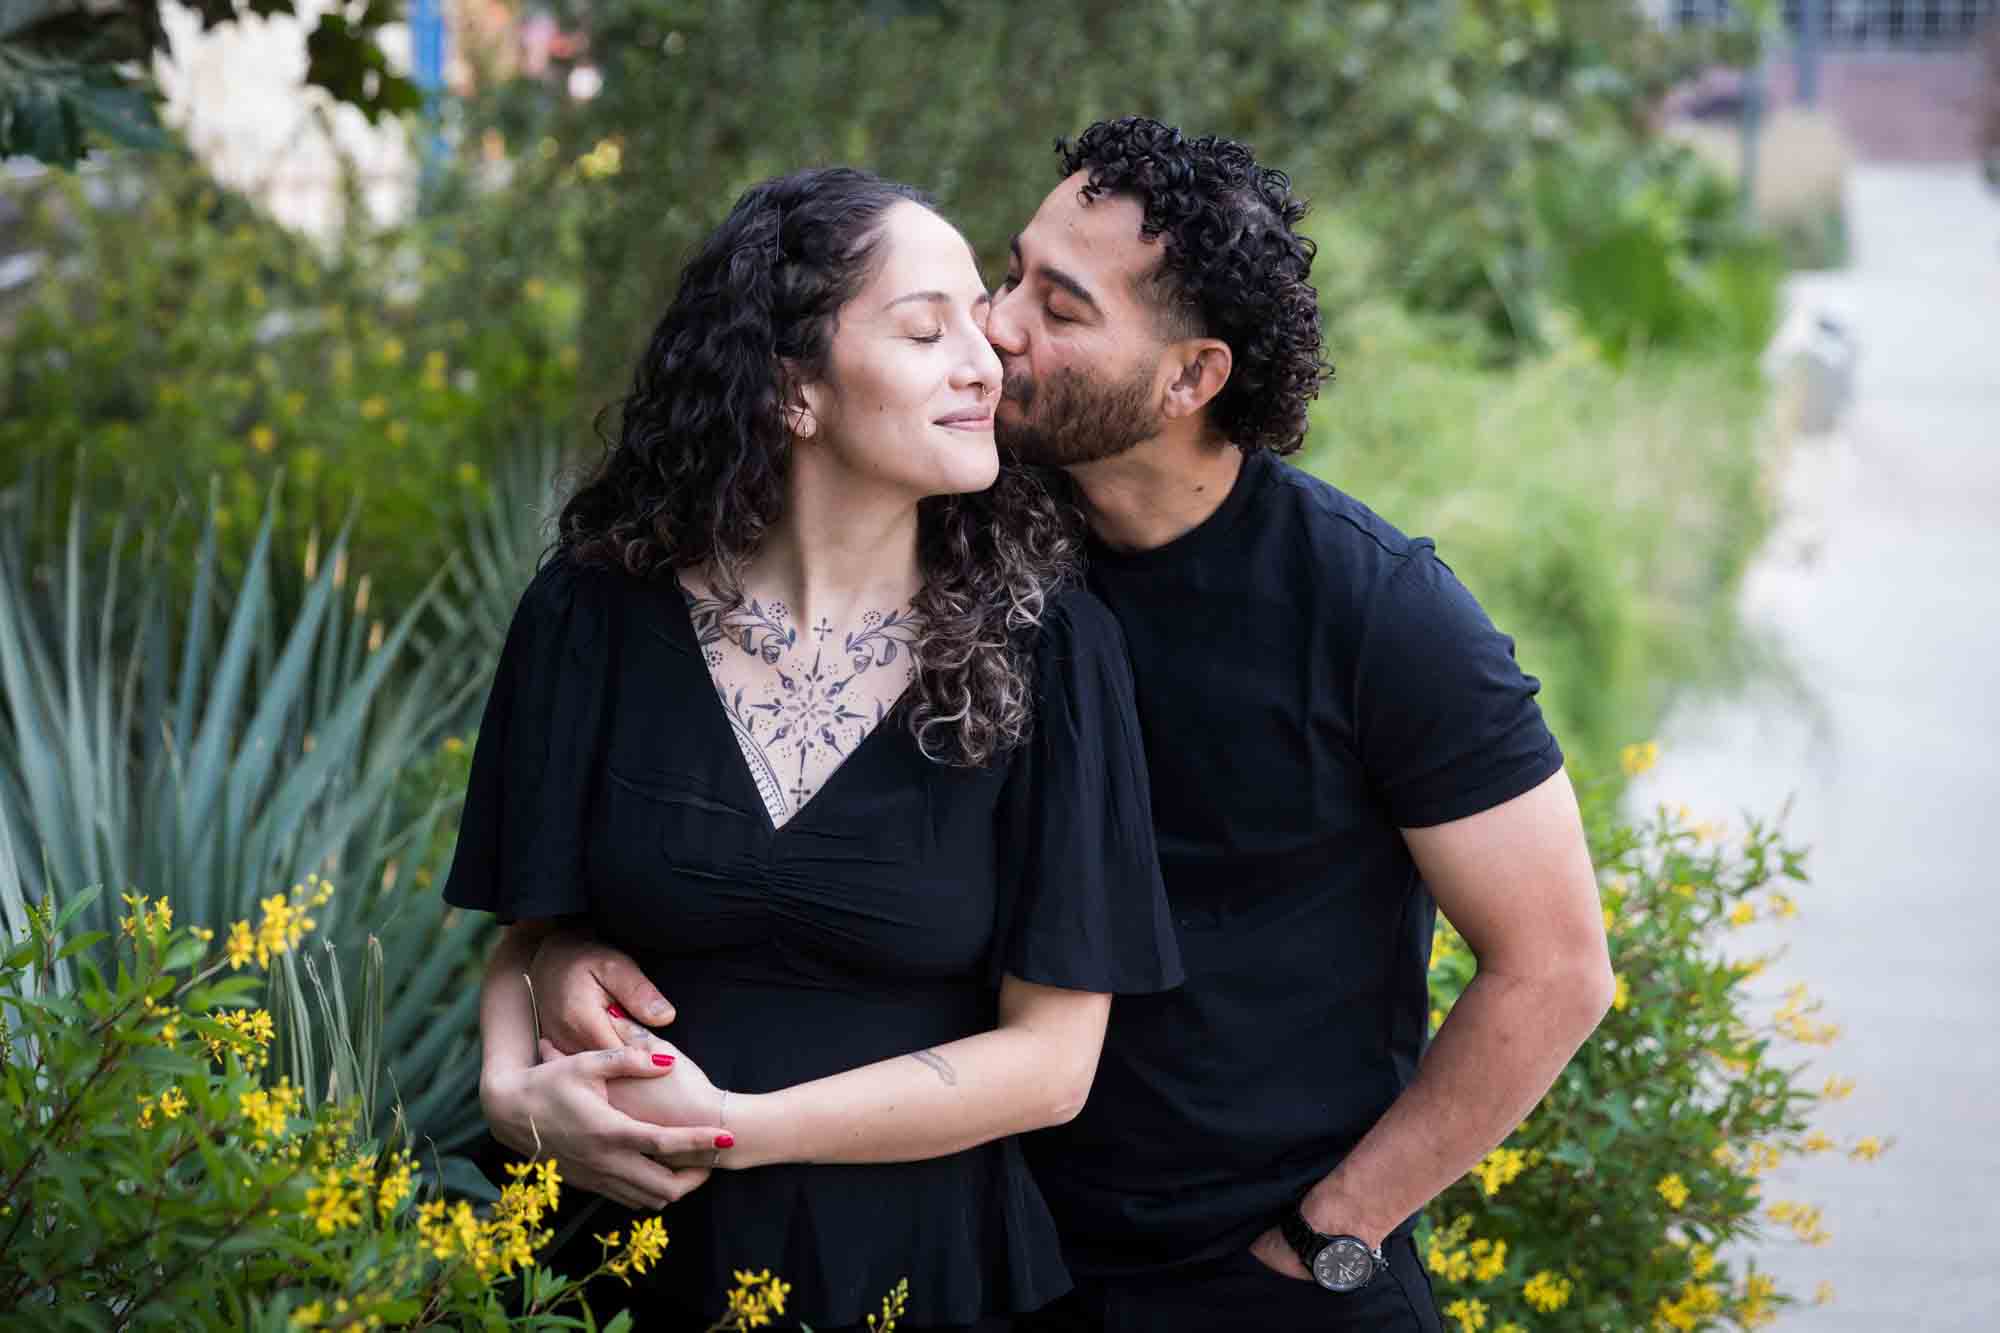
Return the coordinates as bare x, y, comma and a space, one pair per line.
1233, 266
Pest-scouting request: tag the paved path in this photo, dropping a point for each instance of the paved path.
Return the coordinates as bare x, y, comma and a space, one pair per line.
1883, 586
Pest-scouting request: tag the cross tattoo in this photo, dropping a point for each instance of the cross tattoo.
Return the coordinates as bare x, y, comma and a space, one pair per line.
822, 629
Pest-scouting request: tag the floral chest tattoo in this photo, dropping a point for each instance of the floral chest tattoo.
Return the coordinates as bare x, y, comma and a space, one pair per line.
800, 699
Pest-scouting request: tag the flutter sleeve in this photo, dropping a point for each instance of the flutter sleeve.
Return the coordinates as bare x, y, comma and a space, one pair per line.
521, 836
1087, 909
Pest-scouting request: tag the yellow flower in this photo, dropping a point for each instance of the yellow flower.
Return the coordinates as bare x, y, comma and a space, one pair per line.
468, 474
1823, 1294
1499, 1168
1816, 1142
1742, 914
435, 1233
332, 1204
1836, 1088
374, 407
394, 1187
435, 366
172, 1102
269, 1110
1470, 1314
1867, 1150
294, 403
308, 1316
893, 1307
392, 351
604, 160
649, 1242
1684, 890
1673, 1189
397, 432
757, 1298
1703, 1260
1621, 991
1636, 759
145, 1111
262, 438
242, 945
1440, 949
1489, 1258
1783, 907
1547, 1292
1610, 920
534, 289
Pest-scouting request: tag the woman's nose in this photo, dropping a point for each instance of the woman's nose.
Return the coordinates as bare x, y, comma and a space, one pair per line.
983, 365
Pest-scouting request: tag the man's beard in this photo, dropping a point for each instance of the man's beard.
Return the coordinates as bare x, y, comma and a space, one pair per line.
1071, 418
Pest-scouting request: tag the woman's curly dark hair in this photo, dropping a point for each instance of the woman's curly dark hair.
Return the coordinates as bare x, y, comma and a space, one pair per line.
1233, 267
696, 473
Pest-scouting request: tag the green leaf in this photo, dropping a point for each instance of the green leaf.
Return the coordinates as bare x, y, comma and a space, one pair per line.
124, 115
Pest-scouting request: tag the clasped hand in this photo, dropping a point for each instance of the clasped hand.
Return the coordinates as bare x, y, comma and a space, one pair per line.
586, 1112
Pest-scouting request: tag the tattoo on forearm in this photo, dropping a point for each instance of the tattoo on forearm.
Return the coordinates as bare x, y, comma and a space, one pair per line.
939, 1066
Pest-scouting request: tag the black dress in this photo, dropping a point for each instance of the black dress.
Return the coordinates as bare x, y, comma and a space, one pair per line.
877, 921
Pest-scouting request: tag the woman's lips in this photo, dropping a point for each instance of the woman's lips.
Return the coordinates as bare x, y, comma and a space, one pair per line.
979, 419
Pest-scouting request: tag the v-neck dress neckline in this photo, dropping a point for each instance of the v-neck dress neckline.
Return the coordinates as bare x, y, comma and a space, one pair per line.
744, 778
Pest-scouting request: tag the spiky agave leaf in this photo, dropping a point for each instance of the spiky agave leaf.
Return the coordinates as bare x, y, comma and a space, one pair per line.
271, 750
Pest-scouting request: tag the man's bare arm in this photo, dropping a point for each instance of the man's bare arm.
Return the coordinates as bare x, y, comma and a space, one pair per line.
578, 979
1516, 881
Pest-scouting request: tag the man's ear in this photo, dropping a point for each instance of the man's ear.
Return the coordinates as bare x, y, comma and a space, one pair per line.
1197, 370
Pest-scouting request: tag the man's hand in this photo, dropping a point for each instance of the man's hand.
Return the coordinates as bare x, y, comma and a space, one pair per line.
1272, 1251
581, 984
561, 1109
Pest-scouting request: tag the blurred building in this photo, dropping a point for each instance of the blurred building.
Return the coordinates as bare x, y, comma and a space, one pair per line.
1902, 79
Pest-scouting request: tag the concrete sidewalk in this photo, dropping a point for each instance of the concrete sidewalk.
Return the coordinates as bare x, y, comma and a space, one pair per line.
1882, 585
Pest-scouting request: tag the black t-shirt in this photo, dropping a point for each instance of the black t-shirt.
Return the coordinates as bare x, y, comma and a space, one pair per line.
1310, 681
877, 921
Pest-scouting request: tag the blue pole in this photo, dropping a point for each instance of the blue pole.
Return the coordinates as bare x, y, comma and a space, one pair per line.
427, 41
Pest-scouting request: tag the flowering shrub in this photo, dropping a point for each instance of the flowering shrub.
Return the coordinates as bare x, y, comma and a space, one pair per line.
151, 1176
1616, 1203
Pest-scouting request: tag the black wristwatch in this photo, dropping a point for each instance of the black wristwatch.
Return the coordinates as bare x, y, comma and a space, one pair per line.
1338, 1263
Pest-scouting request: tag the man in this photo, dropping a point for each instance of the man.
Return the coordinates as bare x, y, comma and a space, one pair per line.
1340, 745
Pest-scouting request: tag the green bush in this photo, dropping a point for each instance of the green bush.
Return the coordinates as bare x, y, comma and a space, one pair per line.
181, 337
1602, 515
1616, 1204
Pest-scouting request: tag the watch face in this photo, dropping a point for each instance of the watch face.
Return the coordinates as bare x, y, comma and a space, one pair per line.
1343, 1264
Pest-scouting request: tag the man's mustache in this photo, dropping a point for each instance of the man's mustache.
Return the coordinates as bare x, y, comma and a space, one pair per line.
1019, 387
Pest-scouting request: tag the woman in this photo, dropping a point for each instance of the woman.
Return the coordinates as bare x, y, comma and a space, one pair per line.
807, 713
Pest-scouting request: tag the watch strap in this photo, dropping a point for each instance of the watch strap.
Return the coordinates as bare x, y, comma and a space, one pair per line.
1299, 1234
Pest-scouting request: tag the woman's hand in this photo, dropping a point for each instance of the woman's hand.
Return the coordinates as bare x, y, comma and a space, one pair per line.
562, 1108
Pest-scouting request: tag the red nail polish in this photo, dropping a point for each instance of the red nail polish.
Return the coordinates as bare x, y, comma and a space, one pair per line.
614, 1011
725, 1140
663, 1061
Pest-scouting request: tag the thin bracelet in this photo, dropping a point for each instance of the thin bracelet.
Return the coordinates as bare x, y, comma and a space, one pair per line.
722, 1122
